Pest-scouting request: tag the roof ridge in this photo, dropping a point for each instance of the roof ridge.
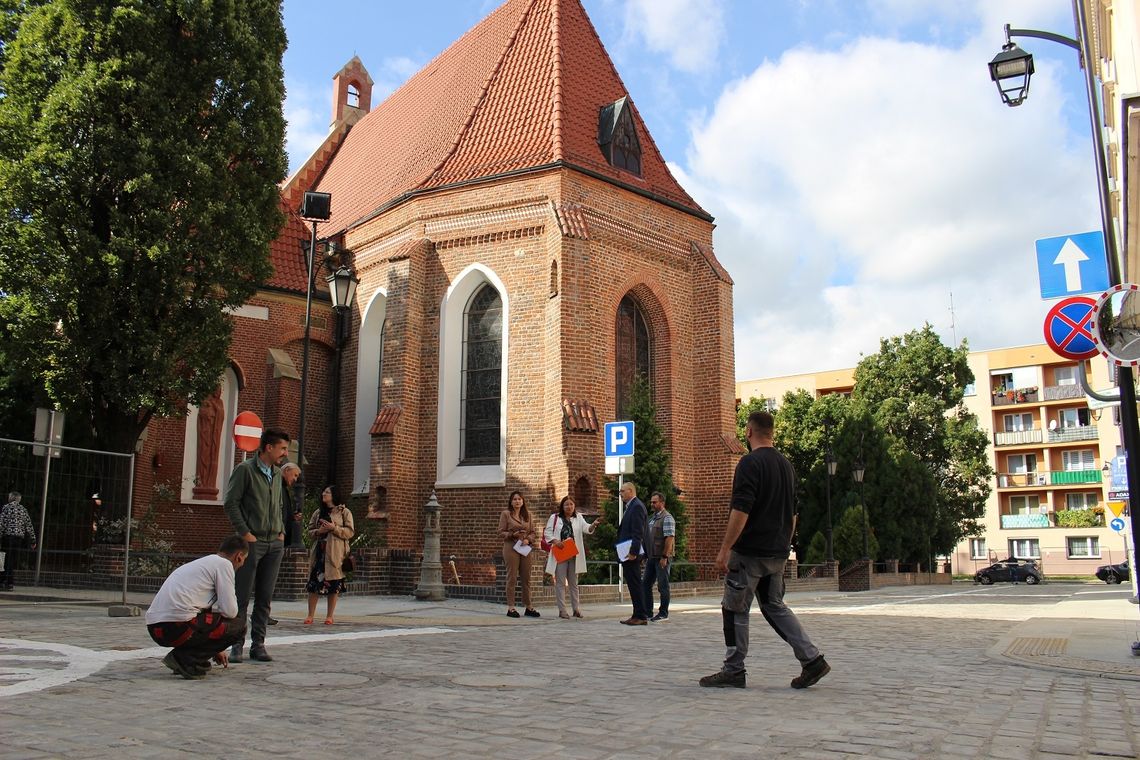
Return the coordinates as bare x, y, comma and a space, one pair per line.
482, 96
556, 89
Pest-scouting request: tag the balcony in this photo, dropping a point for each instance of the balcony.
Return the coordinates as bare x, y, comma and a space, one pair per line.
1025, 521
1080, 433
1060, 392
1047, 478
1019, 438
1016, 396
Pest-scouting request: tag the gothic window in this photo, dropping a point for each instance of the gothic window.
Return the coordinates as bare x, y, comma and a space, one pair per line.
632, 351
353, 98
481, 399
617, 136
583, 495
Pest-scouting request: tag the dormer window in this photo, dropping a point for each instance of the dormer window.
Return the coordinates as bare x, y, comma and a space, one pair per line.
617, 136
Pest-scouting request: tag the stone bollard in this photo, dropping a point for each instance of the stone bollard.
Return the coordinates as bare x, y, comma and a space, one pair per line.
431, 571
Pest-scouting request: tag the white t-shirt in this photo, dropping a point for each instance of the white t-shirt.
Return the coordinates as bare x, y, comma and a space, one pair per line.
206, 583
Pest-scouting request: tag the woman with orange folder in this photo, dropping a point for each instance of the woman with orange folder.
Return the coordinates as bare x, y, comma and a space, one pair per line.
567, 559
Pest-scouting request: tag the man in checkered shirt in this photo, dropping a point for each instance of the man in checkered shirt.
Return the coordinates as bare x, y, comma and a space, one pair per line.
15, 529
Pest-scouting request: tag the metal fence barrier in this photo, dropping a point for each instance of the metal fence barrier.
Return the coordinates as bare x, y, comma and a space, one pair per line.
79, 501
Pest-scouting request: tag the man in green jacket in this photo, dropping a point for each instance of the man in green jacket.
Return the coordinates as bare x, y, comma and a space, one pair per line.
253, 504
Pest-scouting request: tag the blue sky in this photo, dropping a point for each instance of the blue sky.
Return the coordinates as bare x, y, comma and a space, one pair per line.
854, 152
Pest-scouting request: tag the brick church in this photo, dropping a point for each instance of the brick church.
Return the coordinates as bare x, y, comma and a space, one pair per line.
523, 251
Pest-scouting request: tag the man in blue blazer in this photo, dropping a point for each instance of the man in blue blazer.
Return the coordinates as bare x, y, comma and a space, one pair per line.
632, 529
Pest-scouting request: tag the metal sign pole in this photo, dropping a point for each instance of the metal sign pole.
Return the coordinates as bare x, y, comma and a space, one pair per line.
621, 514
43, 497
130, 514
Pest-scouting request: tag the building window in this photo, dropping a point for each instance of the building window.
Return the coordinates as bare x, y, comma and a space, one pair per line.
1065, 375
471, 423
1075, 461
617, 136
971, 389
1025, 504
1086, 500
1073, 418
978, 548
632, 354
1017, 423
353, 99
481, 401
553, 279
1083, 547
380, 367
1021, 463
1025, 548
369, 380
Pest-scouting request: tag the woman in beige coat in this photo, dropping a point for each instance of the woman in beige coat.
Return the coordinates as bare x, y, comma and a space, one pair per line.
331, 528
563, 525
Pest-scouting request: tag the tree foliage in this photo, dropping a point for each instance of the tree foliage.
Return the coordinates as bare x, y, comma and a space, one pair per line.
141, 143
926, 475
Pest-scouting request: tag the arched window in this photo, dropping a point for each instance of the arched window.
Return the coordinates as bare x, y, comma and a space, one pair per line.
583, 495
480, 403
369, 379
380, 368
353, 98
631, 354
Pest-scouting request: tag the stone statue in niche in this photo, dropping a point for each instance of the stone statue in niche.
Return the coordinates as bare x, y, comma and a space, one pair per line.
210, 416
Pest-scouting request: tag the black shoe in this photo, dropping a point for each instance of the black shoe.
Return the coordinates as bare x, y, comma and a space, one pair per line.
811, 673
271, 621
512, 613
659, 617
722, 679
190, 674
531, 612
236, 653
257, 652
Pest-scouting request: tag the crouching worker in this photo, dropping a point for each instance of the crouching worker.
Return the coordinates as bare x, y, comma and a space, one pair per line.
195, 611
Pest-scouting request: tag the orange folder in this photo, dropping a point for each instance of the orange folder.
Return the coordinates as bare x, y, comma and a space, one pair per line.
569, 550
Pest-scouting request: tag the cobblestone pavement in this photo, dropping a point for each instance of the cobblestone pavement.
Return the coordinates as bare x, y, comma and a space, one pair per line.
917, 673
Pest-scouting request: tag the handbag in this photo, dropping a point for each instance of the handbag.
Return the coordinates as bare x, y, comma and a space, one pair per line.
544, 544
348, 564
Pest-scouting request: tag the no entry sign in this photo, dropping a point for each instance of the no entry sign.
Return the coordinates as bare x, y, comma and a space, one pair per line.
247, 431
1068, 328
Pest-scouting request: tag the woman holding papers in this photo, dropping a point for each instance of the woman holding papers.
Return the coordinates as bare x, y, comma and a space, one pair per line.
567, 558
517, 531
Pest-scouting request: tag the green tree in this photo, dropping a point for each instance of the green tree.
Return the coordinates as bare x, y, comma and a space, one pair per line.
914, 386
652, 472
141, 143
849, 534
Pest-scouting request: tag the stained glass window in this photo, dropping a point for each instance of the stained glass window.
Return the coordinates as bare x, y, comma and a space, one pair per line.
481, 400
632, 357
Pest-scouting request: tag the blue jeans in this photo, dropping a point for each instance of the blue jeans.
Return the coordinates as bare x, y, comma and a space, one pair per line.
655, 573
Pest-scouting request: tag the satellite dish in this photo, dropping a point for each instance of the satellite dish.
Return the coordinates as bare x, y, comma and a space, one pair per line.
1052, 424
1116, 324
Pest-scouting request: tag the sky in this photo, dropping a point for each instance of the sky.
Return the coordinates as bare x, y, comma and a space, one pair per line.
862, 170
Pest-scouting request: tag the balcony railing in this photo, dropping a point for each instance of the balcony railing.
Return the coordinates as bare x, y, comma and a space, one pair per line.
1016, 396
1025, 521
1020, 437
1047, 478
1058, 392
1081, 433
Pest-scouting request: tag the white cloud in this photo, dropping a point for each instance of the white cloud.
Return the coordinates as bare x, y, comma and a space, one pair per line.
690, 32
855, 189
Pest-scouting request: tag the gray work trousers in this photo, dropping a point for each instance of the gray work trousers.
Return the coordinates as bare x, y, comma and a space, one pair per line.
762, 577
257, 578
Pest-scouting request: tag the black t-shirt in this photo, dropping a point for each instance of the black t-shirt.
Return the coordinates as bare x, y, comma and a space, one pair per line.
764, 488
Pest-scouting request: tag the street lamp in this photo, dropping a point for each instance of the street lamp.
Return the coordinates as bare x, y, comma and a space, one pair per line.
829, 460
1010, 70
1007, 67
857, 474
315, 207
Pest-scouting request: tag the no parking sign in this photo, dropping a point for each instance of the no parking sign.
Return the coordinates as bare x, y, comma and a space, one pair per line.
1068, 328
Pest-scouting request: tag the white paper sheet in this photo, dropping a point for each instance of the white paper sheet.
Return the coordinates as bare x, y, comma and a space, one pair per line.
523, 549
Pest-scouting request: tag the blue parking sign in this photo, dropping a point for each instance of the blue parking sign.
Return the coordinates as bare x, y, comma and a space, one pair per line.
619, 439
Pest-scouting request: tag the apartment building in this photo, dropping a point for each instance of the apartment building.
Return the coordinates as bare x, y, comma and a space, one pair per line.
1050, 450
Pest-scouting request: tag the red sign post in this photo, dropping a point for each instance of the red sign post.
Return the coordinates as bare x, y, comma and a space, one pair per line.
247, 432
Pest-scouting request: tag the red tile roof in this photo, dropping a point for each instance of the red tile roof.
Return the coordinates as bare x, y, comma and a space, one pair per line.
520, 90
287, 255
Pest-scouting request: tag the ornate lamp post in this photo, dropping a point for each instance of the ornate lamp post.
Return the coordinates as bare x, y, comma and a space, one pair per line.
829, 458
857, 474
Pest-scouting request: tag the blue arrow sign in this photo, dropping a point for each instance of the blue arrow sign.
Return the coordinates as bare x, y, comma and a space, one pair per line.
1117, 524
1072, 264
619, 439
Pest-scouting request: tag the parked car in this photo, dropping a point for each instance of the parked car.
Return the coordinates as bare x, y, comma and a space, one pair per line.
1113, 573
1010, 570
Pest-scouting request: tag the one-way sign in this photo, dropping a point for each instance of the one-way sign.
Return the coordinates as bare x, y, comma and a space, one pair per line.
1072, 264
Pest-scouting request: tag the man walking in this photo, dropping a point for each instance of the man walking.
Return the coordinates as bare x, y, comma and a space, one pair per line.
253, 504
16, 529
761, 522
632, 529
195, 611
660, 548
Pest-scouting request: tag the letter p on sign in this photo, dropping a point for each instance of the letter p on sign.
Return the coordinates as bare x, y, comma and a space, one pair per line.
619, 439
